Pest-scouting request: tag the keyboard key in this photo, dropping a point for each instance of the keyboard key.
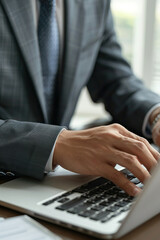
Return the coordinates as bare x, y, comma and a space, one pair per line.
66, 194
105, 196
97, 199
111, 191
97, 207
92, 193
100, 215
130, 176
112, 199
106, 219
105, 203
121, 204
63, 200
91, 201
130, 199
122, 194
70, 204
106, 187
113, 208
135, 180
94, 200
48, 202
140, 185
87, 213
127, 207
116, 190
91, 185
79, 208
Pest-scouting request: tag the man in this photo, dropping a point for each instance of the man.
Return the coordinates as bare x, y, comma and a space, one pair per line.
35, 109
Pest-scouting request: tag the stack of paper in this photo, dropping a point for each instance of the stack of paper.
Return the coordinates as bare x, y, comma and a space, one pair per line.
24, 227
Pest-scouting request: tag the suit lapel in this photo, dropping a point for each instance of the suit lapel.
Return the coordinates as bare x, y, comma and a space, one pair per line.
72, 49
20, 15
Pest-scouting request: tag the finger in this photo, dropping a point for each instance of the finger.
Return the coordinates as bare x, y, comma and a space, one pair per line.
120, 180
131, 163
153, 151
139, 149
127, 133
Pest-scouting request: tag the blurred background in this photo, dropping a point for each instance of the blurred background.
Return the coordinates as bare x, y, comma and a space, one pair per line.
137, 24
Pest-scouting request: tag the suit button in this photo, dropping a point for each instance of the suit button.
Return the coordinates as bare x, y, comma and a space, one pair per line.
10, 174
2, 174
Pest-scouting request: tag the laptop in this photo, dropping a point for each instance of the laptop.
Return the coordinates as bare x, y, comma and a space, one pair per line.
94, 206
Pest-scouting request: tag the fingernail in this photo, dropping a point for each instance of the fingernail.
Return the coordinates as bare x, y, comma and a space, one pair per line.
136, 191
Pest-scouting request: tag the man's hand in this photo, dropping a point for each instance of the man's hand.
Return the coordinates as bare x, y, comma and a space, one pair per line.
156, 134
156, 129
96, 151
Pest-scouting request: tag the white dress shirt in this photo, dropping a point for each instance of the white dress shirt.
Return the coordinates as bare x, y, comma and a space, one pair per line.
146, 129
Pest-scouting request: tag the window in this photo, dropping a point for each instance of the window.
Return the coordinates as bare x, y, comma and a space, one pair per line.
155, 85
134, 23
125, 14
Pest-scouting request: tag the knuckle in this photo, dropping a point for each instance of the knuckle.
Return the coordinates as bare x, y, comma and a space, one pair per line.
117, 126
102, 128
140, 146
124, 139
100, 131
111, 134
132, 159
144, 140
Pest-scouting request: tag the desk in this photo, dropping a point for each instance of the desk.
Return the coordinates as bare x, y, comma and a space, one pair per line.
148, 231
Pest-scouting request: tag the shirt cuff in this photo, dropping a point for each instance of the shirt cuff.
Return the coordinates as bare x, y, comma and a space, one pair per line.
146, 128
49, 165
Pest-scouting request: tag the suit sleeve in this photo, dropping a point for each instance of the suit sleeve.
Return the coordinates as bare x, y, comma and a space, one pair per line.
25, 147
114, 84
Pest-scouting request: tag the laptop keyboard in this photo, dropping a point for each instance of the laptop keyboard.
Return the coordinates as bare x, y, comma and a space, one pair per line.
99, 200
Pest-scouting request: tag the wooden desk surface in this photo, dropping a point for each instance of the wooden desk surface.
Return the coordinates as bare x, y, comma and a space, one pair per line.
148, 231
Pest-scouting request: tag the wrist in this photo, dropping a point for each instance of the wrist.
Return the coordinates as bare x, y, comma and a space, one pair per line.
59, 147
154, 117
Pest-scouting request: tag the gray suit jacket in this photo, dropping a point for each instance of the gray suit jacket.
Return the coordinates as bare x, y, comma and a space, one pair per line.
92, 57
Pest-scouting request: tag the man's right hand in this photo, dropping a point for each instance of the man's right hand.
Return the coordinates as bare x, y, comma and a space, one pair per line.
96, 151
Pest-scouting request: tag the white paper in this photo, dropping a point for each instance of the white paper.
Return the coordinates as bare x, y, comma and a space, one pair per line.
23, 227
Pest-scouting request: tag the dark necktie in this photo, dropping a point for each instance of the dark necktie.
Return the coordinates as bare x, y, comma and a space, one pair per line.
49, 50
